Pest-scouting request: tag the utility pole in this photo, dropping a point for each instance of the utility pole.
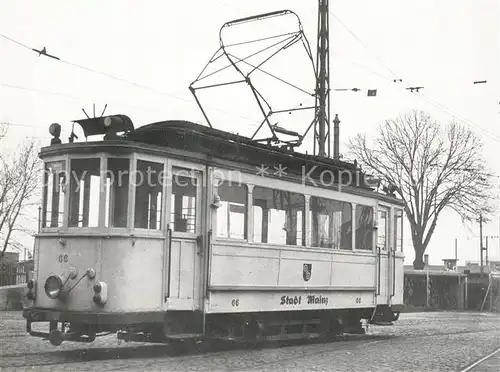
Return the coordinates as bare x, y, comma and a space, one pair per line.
322, 121
481, 242
486, 250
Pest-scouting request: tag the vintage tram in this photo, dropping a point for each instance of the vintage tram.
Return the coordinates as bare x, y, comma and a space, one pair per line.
174, 230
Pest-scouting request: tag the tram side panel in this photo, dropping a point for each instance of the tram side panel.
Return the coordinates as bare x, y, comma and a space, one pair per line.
247, 278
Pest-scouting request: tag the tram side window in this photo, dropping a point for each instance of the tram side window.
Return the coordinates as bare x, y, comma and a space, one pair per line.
183, 202
148, 195
331, 223
364, 227
232, 214
117, 186
383, 229
278, 217
398, 236
53, 198
85, 185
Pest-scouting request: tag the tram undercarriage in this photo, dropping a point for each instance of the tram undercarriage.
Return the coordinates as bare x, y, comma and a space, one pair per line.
251, 328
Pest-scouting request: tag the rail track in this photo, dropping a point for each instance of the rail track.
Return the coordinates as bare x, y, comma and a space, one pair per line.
192, 351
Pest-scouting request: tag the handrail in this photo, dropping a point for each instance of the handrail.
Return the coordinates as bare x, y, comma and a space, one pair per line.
393, 272
169, 266
378, 270
209, 256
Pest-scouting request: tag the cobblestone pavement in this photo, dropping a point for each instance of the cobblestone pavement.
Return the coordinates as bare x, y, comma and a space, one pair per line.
417, 342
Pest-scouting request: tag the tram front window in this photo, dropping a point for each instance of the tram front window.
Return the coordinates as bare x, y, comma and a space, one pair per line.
148, 195
84, 192
117, 186
53, 198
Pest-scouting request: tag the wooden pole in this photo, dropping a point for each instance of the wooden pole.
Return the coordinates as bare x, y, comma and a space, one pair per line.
481, 242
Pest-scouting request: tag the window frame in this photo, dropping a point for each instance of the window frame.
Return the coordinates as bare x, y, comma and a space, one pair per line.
87, 229
388, 229
131, 215
102, 228
107, 156
199, 171
41, 227
305, 223
310, 227
395, 229
248, 215
355, 225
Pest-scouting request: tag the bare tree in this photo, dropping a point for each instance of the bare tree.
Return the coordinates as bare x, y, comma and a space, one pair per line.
430, 168
19, 180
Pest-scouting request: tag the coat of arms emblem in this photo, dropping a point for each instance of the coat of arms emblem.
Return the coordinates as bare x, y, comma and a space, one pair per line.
306, 272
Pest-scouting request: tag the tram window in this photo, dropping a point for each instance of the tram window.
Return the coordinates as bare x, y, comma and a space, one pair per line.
331, 223
148, 195
383, 229
398, 224
364, 227
183, 202
84, 192
232, 214
278, 217
53, 199
117, 186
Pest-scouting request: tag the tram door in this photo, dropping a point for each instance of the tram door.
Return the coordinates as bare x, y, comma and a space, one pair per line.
384, 249
185, 237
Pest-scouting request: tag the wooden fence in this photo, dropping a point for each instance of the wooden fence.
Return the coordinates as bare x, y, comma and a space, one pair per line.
436, 290
15, 273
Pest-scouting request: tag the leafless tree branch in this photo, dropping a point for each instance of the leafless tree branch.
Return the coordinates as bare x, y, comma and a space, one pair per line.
432, 167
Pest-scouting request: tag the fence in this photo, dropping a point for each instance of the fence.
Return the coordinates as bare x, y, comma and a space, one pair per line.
437, 290
15, 273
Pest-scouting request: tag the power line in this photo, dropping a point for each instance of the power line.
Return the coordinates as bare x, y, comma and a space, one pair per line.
15, 41
413, 89
42, 91
154, 90
9, 124
110, 76
363, 44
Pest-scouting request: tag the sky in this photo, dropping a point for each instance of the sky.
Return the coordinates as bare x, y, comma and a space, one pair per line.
160, 47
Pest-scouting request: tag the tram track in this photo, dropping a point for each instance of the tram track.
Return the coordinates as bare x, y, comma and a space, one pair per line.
199, 351
163, 350
478, 362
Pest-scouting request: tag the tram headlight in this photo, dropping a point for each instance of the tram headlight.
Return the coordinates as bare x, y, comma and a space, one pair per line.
53, 286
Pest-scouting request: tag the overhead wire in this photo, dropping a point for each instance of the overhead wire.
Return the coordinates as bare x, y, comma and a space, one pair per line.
154, 90
362, 43
397, 79
432, 101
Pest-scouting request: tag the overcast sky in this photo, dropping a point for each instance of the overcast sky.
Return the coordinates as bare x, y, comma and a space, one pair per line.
441, 45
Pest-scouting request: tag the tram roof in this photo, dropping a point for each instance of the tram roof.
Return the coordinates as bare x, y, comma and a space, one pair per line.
189, 136
217, 144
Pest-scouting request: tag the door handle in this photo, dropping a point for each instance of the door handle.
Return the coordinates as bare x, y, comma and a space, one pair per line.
199, 243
